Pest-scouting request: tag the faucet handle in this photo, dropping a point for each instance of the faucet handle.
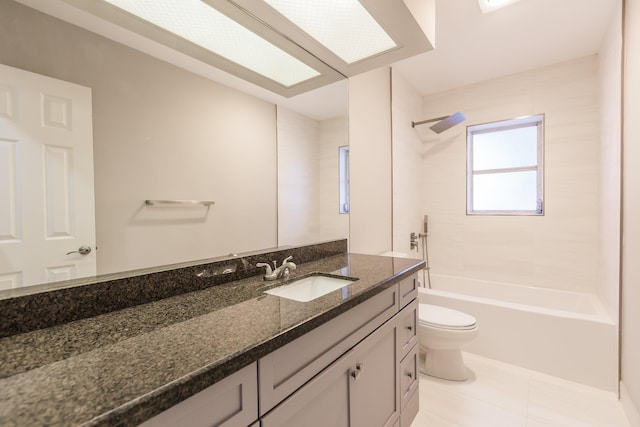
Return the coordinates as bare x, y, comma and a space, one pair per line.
268, 267
288, 263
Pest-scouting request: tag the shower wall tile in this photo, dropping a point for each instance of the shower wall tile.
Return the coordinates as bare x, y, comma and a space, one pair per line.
446, 234
498, 249
558, 250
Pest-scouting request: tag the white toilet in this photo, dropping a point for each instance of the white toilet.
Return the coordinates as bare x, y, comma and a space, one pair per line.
441, 333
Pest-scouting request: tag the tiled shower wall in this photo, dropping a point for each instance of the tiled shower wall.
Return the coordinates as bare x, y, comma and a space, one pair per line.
558, 250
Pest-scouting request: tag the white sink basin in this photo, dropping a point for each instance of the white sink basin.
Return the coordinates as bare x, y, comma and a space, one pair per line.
310, 288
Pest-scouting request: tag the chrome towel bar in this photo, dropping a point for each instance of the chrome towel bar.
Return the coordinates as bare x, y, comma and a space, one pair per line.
179, 202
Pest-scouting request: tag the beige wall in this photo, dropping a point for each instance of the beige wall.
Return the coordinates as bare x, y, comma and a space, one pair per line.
631, 212
558, 250
370, 149
407, 165
298, 202
159, 133
610, 97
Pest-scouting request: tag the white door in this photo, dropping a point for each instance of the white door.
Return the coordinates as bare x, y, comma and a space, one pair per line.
46, 179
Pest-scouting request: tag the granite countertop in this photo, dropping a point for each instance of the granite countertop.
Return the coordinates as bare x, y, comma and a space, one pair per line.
123, 367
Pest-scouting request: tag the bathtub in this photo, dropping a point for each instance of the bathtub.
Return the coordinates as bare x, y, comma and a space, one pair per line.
560, 333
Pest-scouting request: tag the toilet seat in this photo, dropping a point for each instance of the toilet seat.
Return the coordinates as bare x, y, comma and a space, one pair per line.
444, 318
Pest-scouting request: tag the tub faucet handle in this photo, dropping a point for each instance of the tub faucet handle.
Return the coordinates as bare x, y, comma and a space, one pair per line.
413, 242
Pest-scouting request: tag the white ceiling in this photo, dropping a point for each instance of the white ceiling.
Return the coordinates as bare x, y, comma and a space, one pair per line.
470, 47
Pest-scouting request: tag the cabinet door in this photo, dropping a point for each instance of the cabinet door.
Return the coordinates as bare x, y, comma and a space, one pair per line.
361, 389
408, 290
374, 381
322, 402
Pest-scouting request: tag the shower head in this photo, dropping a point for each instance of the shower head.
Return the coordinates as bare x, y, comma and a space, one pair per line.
444, 123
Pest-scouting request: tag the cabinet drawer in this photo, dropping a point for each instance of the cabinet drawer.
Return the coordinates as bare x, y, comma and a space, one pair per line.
288, 368
232, 402
408, 289
410, 410
408, 328
408, 377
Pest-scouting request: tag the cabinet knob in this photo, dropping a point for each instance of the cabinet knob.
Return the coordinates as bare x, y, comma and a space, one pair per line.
410, 328
356, 372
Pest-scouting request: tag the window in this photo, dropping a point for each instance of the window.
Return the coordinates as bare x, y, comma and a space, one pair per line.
505, 167
344, 178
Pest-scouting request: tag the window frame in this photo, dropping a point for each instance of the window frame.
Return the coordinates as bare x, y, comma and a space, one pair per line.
344, 179
502, 125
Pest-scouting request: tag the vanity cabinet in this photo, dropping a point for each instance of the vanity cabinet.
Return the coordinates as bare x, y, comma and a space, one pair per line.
358, 389
374, 383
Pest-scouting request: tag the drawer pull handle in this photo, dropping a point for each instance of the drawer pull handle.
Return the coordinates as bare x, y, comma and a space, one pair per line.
356, 373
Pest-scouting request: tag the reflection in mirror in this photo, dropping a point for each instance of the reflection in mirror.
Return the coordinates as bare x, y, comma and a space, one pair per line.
160, 132
345, 179
309, 178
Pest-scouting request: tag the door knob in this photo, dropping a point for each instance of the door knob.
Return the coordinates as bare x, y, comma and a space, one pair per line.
82, 250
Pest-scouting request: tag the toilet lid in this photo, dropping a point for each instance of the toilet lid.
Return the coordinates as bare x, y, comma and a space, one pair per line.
443, 317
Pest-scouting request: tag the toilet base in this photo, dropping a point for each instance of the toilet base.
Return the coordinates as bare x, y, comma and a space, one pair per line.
444, 364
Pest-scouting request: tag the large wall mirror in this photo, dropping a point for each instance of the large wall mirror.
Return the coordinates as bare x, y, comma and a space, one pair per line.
159, 133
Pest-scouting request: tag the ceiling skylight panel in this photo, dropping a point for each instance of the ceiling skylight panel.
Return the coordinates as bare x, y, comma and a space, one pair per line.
199, 23
343, 26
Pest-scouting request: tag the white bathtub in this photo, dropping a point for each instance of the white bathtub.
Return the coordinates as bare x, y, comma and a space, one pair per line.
561, 333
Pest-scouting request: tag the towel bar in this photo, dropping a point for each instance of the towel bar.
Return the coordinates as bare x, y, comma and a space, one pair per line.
179, 202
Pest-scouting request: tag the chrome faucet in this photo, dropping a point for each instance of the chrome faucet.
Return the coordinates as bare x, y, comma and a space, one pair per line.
279, 272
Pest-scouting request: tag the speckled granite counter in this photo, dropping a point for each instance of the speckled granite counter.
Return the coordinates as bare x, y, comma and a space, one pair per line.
121, 368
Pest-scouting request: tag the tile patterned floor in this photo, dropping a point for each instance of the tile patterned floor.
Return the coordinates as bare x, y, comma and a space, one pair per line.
502, 395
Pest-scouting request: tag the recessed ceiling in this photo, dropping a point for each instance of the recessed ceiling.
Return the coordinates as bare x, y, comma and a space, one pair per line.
287, 48
472, 47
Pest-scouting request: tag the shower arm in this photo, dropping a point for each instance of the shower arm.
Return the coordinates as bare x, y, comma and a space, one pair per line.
414, 124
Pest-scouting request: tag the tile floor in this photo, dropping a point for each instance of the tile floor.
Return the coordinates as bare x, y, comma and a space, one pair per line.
502, 395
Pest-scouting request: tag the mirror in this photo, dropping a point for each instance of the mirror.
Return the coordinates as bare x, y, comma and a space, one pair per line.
309, 185
162, 133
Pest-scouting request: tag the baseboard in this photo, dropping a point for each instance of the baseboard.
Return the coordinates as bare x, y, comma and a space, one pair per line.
630, 408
